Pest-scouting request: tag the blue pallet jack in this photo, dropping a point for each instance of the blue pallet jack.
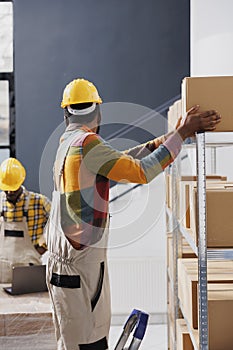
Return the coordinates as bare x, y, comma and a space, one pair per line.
137, 320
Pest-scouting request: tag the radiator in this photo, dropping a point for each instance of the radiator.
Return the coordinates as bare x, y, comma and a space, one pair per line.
138, 283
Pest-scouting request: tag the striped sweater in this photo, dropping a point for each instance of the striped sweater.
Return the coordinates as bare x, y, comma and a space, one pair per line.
89, 165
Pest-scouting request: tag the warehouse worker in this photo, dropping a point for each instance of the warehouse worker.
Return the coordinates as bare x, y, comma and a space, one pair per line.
77, 274
23, 217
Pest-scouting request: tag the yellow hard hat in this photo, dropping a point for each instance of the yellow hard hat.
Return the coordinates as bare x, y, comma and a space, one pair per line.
12, 175
80, 91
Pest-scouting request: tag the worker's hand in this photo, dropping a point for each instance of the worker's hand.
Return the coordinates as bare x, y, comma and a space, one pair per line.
196, 121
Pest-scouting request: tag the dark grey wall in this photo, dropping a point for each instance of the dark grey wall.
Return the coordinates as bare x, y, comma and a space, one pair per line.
134, 51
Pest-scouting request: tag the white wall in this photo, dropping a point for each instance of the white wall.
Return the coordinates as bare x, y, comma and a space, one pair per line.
211, 37
212, 55
137, 220
138, 238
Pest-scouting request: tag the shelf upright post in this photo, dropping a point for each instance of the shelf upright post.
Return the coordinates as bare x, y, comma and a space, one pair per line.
202, 242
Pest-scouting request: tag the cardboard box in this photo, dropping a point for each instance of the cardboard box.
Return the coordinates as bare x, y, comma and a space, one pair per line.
28, 315
186, 198
27, 324
219, 218
174, 112
211, 93
187, 182
220, 285
184, 341
220, 312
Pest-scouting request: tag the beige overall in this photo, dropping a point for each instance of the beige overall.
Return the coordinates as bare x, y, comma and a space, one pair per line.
77, 281
16, 247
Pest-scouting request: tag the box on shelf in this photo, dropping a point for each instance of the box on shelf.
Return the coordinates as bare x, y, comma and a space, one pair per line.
219, 218
220, 273
210, 93
186, 180
183, 338
184, 186
186, 198
220, 312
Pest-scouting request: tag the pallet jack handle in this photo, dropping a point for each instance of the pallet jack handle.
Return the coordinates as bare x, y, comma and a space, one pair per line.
138, 319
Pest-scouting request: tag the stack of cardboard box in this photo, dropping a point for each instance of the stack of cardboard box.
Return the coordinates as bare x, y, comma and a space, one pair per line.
213, 93
220, 299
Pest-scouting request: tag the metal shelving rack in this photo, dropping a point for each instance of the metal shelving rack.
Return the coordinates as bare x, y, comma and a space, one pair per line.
177, 249
201, 251
202, 244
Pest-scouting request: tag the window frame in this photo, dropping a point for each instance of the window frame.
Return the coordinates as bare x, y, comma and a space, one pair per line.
10, 77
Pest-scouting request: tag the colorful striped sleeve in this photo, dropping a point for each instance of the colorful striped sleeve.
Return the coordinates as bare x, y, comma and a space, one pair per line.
144, 149
100, 158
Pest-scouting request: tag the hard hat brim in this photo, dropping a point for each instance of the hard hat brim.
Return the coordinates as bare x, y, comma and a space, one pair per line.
4, 187
64, 105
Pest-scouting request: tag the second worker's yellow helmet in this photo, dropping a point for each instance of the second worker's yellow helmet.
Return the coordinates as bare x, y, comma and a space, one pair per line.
80, 91
12, 175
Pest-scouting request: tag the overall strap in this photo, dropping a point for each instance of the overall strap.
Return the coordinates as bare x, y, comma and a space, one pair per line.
60, 159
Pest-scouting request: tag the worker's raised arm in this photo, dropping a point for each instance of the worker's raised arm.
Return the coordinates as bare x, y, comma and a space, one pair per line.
101, 158
142, 150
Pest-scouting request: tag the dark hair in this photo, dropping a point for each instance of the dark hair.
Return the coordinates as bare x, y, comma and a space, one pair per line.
83, 119
80, 106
